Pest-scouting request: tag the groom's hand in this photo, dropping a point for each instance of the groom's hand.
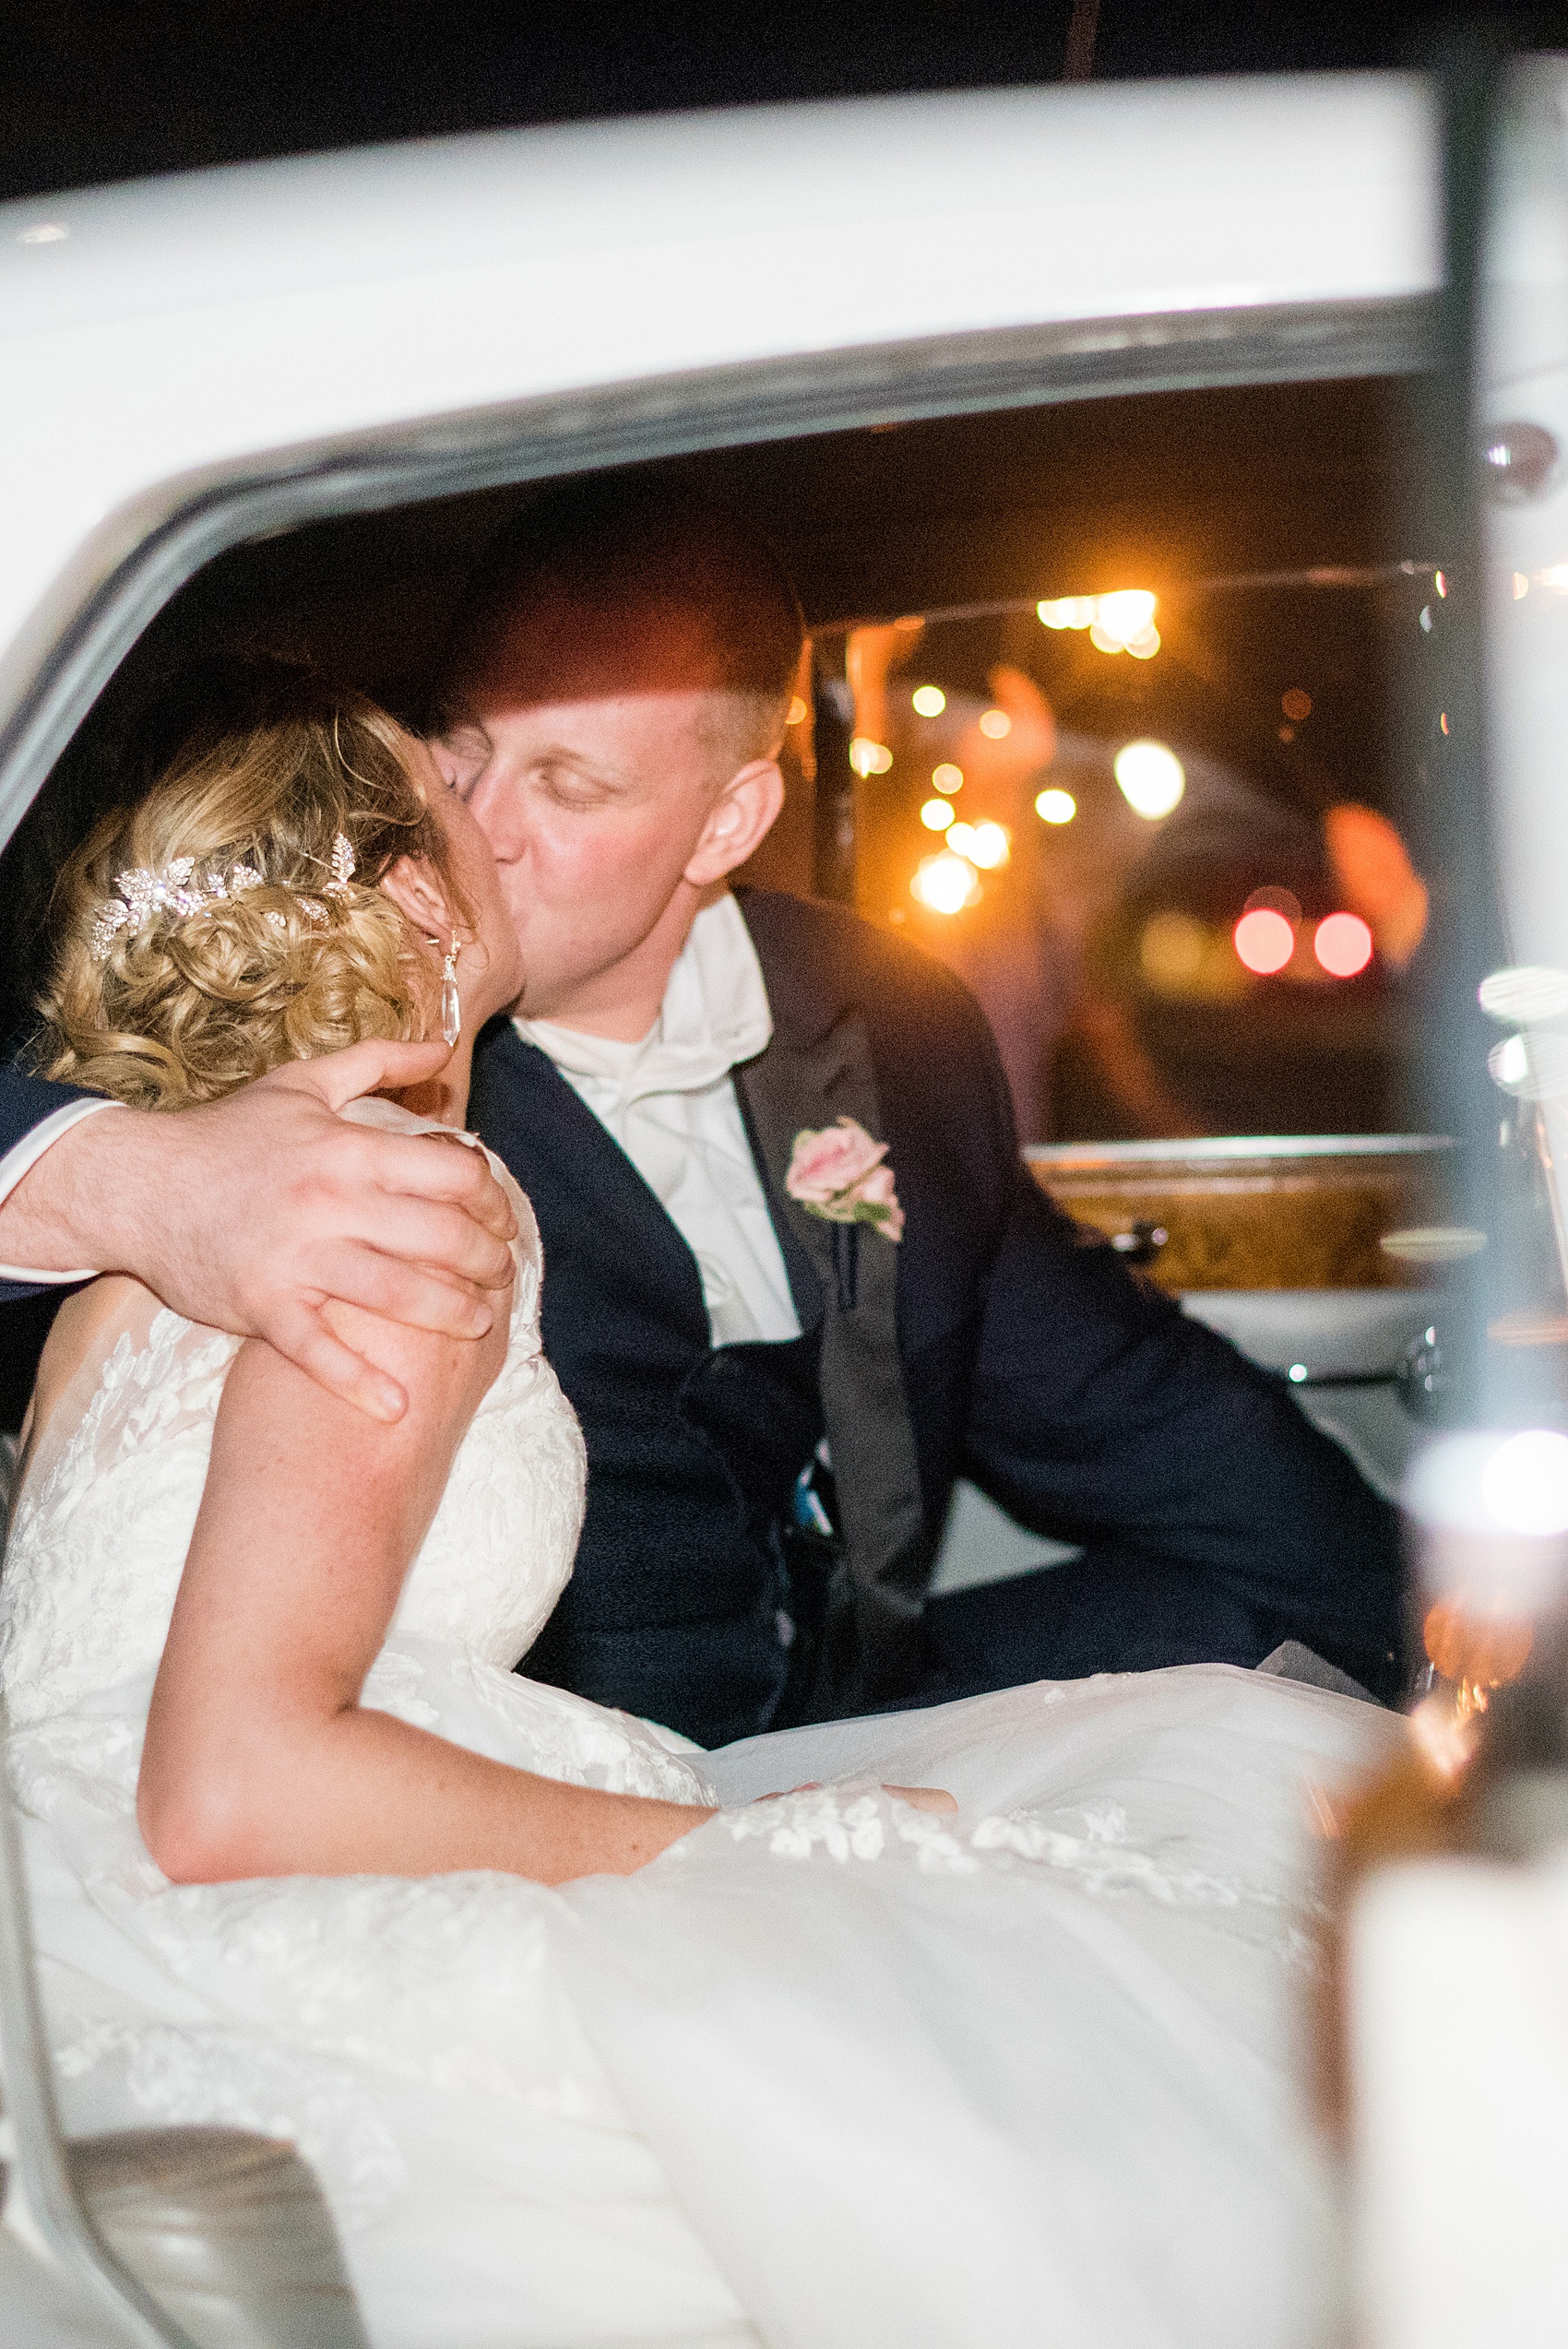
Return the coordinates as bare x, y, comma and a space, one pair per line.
252, 1212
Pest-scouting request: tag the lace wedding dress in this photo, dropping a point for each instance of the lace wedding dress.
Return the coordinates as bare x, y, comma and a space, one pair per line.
831, 2073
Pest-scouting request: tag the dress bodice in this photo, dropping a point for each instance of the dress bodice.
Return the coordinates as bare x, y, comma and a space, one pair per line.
106, 1518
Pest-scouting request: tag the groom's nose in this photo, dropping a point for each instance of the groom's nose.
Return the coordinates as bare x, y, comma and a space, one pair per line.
497, 806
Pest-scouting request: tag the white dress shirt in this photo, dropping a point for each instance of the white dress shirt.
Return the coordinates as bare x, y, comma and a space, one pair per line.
25, 1155
669, 1102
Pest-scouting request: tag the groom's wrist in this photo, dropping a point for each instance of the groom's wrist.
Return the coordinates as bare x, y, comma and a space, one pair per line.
62, 1193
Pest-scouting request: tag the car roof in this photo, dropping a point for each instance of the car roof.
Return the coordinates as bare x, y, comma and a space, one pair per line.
169, 341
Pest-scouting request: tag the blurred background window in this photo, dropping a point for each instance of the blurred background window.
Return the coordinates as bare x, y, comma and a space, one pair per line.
1161, 835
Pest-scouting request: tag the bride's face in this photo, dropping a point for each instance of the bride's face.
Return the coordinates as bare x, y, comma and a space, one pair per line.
490, 967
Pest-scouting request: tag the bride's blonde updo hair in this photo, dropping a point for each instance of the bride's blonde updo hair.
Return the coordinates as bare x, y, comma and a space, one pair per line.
160, 1008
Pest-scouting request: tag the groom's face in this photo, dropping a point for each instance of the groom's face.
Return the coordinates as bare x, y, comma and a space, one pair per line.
602, 768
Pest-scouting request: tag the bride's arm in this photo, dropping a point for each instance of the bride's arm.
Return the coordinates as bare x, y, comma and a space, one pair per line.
259, 1760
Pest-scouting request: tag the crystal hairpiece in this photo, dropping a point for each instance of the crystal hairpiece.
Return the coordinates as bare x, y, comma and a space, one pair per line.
175, 891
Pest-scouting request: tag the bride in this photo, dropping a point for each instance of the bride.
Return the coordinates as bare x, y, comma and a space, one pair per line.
588, 2041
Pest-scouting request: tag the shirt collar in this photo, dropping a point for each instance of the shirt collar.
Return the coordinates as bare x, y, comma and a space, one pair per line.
714, 1016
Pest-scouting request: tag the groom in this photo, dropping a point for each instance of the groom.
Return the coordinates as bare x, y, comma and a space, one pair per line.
775, 1405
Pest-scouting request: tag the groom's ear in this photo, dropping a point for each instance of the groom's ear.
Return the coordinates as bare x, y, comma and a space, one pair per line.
739, 816
413, 889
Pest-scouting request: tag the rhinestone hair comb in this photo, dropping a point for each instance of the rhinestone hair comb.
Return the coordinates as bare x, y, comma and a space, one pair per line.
175, 892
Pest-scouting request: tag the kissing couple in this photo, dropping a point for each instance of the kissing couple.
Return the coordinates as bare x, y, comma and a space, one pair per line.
475, 1708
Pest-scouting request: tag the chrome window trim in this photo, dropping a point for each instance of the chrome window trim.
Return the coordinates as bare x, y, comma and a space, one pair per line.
1217, 1150
147, 553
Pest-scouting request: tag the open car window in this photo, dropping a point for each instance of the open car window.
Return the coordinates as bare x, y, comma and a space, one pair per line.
1102, 709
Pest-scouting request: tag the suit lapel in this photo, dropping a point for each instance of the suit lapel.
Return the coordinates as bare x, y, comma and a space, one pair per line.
806, 1081
789, 1086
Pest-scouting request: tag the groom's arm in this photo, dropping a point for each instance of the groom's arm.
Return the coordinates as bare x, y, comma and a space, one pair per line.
1099, 1408
251, 1214
34, 1115
1098, 1412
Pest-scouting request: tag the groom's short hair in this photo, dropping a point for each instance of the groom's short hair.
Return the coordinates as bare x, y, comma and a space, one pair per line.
623, 551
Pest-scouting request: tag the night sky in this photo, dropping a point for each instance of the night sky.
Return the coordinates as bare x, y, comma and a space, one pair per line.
103, 89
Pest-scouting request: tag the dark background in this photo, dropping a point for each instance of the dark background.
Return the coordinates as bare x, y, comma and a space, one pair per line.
101, 89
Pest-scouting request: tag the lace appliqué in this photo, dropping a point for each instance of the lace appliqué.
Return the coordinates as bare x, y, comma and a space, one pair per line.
846, 1824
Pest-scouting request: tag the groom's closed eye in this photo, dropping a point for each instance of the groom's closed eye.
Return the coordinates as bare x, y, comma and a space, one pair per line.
571, 785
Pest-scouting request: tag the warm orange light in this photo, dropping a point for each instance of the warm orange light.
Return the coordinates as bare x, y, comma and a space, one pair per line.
1373, 877
945, 882
1343, 945
937, 815
1265, 941
1477, 1646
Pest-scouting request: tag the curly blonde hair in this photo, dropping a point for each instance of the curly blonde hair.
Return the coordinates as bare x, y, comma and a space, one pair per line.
185, 1007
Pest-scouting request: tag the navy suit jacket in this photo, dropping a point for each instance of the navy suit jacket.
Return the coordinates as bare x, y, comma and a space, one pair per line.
1068, 1388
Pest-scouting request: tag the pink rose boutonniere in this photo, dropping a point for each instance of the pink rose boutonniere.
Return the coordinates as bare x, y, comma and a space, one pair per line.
839, 1173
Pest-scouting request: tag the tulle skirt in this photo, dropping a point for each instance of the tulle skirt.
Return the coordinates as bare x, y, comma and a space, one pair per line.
832, 2073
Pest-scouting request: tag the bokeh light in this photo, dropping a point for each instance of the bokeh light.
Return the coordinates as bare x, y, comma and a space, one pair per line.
1265, 941
1343, 945
1172, 951
948, 778
1120, 622
937, 815
1067, 611
1277, 900
868, 757
1151, 778
1525, 1483
945, 883
989, 845
995, 725
799, 709
1529, 992
1056, 806
930, 700
1125, 615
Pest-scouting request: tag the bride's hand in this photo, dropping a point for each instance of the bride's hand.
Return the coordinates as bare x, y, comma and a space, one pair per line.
933, 1799
253, 1213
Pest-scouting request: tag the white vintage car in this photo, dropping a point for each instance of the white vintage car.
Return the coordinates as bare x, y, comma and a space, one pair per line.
980, 359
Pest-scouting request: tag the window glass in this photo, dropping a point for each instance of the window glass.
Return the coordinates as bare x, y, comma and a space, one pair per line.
1162, 835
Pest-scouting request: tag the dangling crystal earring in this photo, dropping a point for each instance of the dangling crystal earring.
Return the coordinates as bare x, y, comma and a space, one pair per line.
451, 1010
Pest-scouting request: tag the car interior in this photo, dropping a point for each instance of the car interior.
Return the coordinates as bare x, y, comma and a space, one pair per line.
1124, 698
1125, 703
956, 768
